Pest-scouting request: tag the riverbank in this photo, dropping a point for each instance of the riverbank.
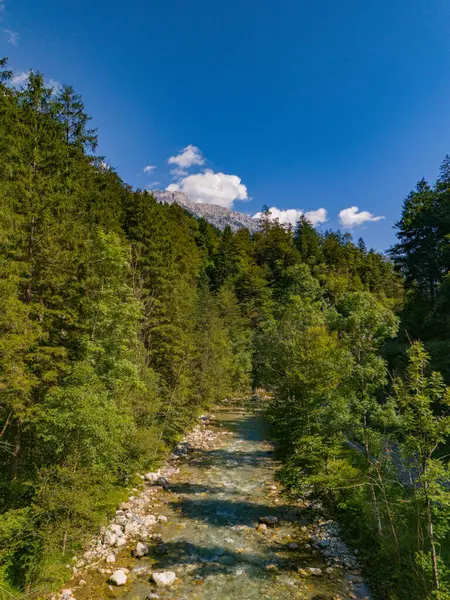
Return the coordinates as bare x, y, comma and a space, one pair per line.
213, 524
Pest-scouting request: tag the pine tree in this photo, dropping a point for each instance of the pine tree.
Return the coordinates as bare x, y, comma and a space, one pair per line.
307, 241
419, 251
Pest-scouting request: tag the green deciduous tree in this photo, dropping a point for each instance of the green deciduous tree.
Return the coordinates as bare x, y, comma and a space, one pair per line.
424, 430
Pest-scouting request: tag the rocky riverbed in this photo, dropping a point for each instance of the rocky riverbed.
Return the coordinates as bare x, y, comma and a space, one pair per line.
212, 524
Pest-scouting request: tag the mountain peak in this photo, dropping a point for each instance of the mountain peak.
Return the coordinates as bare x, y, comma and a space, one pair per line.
218, 216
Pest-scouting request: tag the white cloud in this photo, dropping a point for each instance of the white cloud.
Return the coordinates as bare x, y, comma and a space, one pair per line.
178, 172
212, 188
19, 79
152, 186
190, 156
290, 216
149, 168
317, 216
352, 217
13, 37
285, 217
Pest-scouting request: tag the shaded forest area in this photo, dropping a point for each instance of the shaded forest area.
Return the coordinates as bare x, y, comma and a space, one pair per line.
122, 318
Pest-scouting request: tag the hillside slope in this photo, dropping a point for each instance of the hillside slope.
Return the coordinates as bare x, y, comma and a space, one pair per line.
218, 216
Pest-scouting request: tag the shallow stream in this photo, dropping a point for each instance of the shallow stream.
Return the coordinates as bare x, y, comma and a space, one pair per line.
211, 540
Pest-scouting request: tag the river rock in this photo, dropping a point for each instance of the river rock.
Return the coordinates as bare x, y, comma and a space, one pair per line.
140, 550
262, 527
141, 570
118, 578
109, 538
269, 520
121, 541
110, 558
150, 520
164, 578
162, 519
151, 477
162, 482
131, 528
116, 528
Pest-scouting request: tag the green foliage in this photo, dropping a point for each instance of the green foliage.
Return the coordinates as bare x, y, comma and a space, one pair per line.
342, 438
422, 254
423, 432
122, 318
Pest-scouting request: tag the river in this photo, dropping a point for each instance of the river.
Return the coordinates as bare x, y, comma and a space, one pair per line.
212, 541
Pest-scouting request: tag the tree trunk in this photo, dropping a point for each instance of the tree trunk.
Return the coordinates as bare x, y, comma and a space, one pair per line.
376, 508
389, 513
432, 541
376, 511
28, 289
17, 432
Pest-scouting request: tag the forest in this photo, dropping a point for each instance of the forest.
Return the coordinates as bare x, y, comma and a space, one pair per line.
122, 318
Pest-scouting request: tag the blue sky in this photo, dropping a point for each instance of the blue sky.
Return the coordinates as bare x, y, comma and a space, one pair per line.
295, 104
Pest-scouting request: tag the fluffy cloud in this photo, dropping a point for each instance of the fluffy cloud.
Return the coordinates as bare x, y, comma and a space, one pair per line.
190, 156
290, 216
13, 37
212, 188
149, 168
352, 217
178, 172
317, 216
19, 79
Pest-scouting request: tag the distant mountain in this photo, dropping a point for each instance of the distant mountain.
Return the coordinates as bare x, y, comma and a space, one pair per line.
218, 216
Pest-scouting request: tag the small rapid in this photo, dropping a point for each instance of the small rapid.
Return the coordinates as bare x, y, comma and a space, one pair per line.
213, 539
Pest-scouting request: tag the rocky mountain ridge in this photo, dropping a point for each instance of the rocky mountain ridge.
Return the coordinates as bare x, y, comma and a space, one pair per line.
218, 216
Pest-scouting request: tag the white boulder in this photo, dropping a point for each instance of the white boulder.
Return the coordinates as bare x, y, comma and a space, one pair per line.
121, 541
149, 520
140, 550
118, 578
164, 578
109, 538
117, 529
